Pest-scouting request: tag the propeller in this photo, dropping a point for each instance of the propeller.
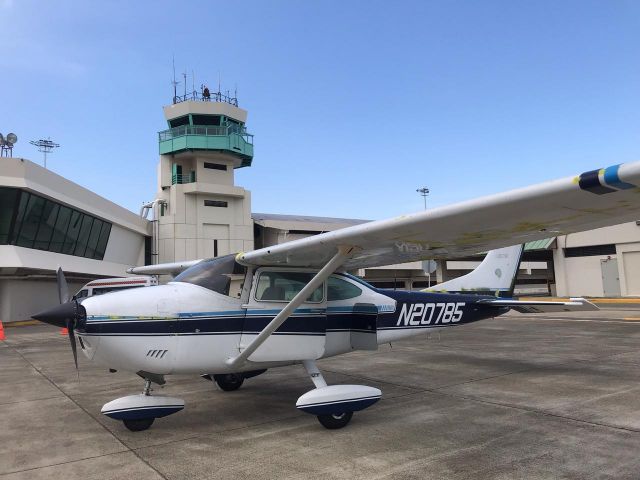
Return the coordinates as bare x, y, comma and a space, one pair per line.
68, 314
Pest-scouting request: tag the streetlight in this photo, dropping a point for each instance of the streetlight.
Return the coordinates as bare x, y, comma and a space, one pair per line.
44, 146
424, 191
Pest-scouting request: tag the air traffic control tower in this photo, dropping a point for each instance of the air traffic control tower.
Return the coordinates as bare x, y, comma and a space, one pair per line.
200, 212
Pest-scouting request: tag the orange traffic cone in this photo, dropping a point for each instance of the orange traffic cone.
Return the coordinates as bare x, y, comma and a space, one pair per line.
2, 336
64, 331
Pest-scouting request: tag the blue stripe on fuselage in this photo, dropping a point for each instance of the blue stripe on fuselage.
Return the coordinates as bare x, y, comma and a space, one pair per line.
413, 310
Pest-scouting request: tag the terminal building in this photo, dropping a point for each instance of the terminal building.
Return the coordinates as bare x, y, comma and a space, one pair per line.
47, 221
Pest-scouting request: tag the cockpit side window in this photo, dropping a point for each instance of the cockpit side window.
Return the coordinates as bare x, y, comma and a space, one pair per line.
283, 286
216, 274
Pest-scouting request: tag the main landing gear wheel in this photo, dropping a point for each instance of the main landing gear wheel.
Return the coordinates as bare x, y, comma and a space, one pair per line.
139, 424
229, 381
335, 420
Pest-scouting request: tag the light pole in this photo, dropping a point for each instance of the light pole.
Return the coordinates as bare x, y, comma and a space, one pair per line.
44, 146
424, 191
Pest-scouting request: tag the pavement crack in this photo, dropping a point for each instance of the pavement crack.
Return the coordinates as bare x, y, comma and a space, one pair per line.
538, 411
92, 457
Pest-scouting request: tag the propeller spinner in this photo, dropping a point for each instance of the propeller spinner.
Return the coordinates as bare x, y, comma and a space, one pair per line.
68, 314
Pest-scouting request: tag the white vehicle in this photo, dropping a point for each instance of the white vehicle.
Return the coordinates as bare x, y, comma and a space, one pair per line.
108, 285
233, 317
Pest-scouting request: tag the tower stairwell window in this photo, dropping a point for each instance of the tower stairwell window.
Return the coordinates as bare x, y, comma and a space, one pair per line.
215, 203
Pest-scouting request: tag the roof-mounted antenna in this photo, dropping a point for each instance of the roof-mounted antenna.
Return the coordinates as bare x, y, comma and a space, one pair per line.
184, 76
193, 85
174, 82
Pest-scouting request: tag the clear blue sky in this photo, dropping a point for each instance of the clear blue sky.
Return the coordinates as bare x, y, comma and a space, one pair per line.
354, 104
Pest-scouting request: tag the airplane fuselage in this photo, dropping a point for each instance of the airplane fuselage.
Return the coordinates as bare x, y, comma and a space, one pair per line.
185, 328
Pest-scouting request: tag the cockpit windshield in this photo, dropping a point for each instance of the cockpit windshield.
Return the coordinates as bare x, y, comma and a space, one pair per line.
223, 275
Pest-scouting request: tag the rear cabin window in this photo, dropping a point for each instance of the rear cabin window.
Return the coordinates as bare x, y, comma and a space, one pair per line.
222, 275
338, 289
283, 286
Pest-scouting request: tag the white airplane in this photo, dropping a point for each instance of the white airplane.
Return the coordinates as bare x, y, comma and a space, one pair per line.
234, 317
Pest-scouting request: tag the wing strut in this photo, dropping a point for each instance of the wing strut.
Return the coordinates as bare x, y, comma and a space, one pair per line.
338, 259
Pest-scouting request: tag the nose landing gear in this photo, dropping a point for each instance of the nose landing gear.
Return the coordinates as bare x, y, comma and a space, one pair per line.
138, 412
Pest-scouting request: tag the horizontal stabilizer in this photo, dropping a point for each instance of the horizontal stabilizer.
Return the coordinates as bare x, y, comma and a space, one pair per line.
173, 268
533, 306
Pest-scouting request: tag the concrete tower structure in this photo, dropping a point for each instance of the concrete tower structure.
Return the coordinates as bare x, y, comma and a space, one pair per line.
200, 212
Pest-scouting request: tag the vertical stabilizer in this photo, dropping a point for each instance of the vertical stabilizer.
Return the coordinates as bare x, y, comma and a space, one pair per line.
496, 275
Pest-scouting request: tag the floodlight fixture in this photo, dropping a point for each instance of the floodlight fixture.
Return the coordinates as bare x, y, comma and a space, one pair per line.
6, 144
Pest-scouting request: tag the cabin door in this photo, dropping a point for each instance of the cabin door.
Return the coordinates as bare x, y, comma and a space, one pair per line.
302, 336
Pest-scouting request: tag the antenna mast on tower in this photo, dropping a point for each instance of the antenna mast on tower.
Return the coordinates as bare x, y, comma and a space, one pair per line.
174, 82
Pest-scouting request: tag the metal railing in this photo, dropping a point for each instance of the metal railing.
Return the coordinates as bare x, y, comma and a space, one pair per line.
179, 179
202, 97
207, 131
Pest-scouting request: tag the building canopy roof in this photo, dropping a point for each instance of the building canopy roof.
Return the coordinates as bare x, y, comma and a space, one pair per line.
543, 244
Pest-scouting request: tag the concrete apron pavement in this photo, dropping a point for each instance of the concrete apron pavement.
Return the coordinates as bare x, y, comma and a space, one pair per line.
520, 396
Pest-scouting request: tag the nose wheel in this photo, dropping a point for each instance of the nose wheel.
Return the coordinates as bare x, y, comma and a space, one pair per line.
138, 412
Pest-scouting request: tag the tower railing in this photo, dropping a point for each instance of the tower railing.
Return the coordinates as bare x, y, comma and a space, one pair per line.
207, 131
206, 97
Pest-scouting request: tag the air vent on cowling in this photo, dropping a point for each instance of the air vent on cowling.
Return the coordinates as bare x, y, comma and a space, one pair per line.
157, 353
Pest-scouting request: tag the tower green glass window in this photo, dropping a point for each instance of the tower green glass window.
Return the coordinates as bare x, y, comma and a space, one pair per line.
31, 221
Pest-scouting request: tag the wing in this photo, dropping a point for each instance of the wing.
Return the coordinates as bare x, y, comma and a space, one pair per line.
528, 306
594, 199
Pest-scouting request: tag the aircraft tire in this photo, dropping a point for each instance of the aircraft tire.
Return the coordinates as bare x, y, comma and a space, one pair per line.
229, 381
335, 420
139, 424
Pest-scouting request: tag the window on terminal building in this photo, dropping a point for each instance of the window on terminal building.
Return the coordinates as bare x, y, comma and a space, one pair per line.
8, 202
590, 251
31, 221
215, 203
